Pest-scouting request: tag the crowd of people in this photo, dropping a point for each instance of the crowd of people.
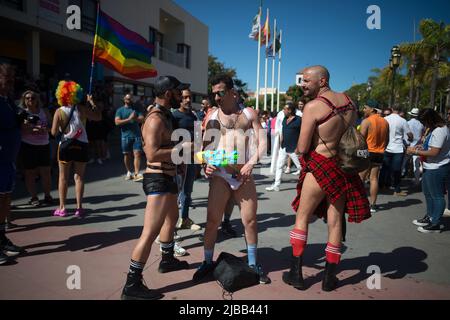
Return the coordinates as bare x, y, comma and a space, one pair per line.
308, 132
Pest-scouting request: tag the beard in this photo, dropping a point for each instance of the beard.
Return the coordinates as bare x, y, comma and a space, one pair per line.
174, 103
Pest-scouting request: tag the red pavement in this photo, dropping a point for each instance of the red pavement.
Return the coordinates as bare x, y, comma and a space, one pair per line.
41, 274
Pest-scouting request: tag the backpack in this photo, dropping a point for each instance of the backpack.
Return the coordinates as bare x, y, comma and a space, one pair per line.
233, 273
353, 151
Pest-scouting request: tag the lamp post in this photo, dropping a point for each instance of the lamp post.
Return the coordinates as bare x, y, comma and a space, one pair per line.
412, 68
394, 62
369, 89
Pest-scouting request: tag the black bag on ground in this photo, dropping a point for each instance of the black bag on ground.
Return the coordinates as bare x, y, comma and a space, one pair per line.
233, 273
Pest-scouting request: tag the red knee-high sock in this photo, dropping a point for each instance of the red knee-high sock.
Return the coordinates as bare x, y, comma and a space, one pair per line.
298, 241
333, 253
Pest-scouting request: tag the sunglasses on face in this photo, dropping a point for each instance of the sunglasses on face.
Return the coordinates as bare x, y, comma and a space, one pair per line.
30, 98
220, 93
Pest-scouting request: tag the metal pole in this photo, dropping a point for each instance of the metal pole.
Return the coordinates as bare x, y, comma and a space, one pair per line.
259, 60
273, 63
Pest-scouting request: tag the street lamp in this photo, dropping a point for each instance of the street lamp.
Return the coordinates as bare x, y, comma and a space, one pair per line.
394, 62
412, 68
369, 88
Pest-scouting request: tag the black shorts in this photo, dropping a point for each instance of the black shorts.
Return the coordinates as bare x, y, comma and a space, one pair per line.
34, 156
79, 152
376, 158
159, 183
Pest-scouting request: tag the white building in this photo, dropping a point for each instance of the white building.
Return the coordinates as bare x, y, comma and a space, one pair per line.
35, 38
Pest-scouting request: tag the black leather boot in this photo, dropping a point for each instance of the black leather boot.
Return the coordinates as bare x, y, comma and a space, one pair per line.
169, 263
135, 289
294, 277
330, 280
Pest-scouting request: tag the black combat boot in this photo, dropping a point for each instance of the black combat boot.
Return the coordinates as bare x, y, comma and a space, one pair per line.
330, 280
135, 290
294, 277
169, 263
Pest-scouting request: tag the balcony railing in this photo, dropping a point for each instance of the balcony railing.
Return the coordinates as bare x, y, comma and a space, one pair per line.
171, 57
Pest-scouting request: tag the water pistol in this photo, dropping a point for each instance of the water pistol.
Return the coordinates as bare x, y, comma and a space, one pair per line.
218, 158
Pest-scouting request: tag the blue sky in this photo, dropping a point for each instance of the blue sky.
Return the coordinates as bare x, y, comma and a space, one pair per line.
328, 32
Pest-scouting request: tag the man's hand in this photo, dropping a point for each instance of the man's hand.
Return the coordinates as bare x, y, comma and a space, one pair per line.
245, 173
209, 170
132, 116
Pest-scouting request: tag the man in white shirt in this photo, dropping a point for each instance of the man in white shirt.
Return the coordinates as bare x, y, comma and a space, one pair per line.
393, 156
417, 129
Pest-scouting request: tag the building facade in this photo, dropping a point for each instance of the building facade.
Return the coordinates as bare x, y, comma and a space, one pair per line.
35, 37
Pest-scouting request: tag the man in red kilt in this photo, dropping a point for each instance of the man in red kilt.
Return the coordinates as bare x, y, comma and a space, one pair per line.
323, 188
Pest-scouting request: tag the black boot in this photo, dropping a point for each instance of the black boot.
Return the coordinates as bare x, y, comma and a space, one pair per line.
135, 290
294, 277
329, 279
169, 263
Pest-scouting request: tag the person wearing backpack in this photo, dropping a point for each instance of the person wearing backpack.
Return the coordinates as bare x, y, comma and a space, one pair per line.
324, 188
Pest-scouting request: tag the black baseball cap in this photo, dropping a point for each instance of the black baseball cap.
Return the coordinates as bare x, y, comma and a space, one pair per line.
165, 83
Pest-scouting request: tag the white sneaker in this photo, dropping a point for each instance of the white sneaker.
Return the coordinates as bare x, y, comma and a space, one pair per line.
273, 188
129, 176
296, 173
287, 170
446, 213
99, 161
179, 251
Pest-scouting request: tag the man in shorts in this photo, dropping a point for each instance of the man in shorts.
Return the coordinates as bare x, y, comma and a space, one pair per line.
375, 130
230, 121
161, 189
128, 119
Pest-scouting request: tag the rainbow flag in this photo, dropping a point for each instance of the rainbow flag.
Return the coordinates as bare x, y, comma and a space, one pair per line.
122, 50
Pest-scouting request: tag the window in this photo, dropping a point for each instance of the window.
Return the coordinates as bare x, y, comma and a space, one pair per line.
88, 14
13, 4
156, 38
197, 98
140, 91
185, 50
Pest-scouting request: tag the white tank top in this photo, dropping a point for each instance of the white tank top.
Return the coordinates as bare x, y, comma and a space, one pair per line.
76, 128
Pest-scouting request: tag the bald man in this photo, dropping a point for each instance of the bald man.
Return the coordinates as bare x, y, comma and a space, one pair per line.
323, 188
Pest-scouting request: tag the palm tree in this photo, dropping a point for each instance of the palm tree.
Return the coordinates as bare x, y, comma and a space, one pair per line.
434, 49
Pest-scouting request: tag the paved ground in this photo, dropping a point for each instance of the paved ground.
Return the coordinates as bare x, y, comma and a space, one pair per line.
413, 265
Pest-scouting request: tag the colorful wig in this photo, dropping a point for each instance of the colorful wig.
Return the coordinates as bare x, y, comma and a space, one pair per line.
69, 93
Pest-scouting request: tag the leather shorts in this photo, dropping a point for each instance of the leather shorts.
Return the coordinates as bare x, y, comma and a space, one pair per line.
159, 183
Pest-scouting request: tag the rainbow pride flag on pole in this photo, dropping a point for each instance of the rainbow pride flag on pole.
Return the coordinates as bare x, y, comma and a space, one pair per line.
122, 50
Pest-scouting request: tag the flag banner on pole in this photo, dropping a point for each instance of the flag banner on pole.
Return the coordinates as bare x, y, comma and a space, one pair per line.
255, 27
269, 49
265, 31
123, 50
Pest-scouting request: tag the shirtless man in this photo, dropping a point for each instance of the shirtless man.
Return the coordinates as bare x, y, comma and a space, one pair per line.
160, 187
323, 188
232, 120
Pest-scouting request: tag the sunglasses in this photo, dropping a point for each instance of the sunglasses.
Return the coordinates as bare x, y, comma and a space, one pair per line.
30, 98
221, 93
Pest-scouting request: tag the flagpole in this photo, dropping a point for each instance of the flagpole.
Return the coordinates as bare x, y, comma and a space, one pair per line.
259, 60
279, 71
93, 49
273, 62
267, 60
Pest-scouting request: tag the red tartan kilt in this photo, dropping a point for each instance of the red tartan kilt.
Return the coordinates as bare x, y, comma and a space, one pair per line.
335, 183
